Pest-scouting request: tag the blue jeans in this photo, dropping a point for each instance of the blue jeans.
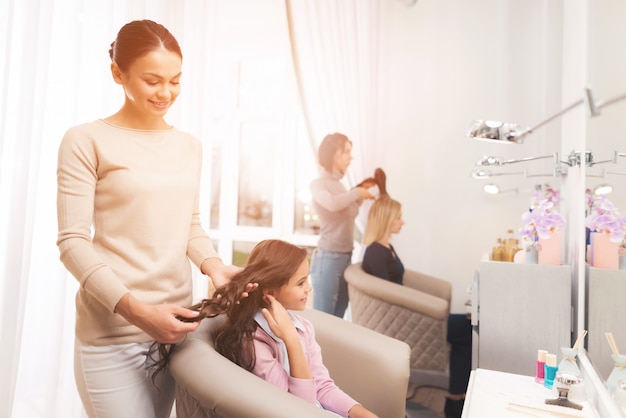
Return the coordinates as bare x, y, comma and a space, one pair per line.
330, 290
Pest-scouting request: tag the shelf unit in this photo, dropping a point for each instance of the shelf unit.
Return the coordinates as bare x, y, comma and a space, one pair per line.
517, 310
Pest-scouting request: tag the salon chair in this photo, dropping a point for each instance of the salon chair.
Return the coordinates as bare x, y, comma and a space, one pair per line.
370, 367
415, 313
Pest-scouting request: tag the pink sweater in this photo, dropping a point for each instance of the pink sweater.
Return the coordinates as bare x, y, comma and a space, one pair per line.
271, 363
138, 191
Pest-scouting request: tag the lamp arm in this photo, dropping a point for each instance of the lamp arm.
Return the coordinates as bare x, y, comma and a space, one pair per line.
526, 159
541, 175
592, 163
556, 115
604, 103
482, 174
601, 175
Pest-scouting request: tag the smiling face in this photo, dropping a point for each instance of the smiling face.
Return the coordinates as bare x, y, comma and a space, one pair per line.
151, 85
294, 294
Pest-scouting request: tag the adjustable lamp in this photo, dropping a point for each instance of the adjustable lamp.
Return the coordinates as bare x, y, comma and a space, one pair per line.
512, 133
487, 160
485, 174
509, 133
492, 188
603, 173
603, 189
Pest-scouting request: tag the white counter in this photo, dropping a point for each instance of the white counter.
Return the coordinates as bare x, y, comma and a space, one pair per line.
493, 394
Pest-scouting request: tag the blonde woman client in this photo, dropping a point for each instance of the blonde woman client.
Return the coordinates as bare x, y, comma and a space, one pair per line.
381, 260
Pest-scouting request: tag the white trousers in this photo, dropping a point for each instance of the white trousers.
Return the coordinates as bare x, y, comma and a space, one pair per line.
114, 381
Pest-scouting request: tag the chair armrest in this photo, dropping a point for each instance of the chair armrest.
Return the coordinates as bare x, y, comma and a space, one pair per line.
369, 366
395, 294
428, 284
218, 387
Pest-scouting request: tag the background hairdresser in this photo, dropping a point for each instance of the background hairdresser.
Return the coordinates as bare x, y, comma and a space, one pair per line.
337, 209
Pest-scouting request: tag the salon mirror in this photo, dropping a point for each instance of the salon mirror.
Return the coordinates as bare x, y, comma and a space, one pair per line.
606, 288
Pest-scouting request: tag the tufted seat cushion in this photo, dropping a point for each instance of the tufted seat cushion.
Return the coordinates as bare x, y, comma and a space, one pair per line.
416, 313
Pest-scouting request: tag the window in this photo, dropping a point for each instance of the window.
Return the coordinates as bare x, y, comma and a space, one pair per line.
260, 163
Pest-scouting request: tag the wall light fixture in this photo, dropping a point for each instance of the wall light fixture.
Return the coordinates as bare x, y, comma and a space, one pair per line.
512, 133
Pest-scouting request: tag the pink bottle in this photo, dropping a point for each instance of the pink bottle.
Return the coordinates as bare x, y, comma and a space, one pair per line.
539, 369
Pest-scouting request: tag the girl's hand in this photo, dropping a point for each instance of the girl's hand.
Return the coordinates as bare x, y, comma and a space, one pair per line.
281, 324
279, 320
359, 411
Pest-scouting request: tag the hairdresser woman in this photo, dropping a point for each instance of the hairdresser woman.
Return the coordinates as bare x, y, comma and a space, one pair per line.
337, 209
133, 179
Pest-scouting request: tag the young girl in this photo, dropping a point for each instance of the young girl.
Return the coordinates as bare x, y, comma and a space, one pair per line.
264, 337
381, 260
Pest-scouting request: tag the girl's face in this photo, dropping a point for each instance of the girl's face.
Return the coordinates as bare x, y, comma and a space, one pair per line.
397, 223
294, 294
342, 158
152, 83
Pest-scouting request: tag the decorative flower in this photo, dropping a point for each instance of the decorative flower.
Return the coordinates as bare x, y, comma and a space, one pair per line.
589, 200
542, 220
606, 218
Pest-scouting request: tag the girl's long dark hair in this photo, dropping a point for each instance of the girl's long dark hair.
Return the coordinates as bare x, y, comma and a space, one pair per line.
270, 264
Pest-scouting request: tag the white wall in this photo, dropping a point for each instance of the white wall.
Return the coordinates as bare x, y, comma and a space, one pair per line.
446, 63
607, 70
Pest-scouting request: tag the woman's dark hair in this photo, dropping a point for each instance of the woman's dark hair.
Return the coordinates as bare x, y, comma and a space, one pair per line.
139, 37
270, 264
329, 147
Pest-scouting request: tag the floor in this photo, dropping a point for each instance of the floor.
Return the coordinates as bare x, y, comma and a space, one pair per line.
431, 398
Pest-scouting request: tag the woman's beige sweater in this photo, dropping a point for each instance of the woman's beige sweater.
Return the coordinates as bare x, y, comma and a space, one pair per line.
128, 218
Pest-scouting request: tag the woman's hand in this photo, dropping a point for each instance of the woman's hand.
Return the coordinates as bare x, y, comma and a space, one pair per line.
221, 274
365, 193
158, 321
367, 183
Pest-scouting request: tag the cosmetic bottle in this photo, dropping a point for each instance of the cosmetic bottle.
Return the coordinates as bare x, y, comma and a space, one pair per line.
497, 254
509, 246
539, 369
550, 369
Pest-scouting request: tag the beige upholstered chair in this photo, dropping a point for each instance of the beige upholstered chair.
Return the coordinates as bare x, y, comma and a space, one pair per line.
416, 313
370, 367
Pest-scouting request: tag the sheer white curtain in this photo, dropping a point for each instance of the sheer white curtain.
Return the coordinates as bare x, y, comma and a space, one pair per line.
336, 55
55, 74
